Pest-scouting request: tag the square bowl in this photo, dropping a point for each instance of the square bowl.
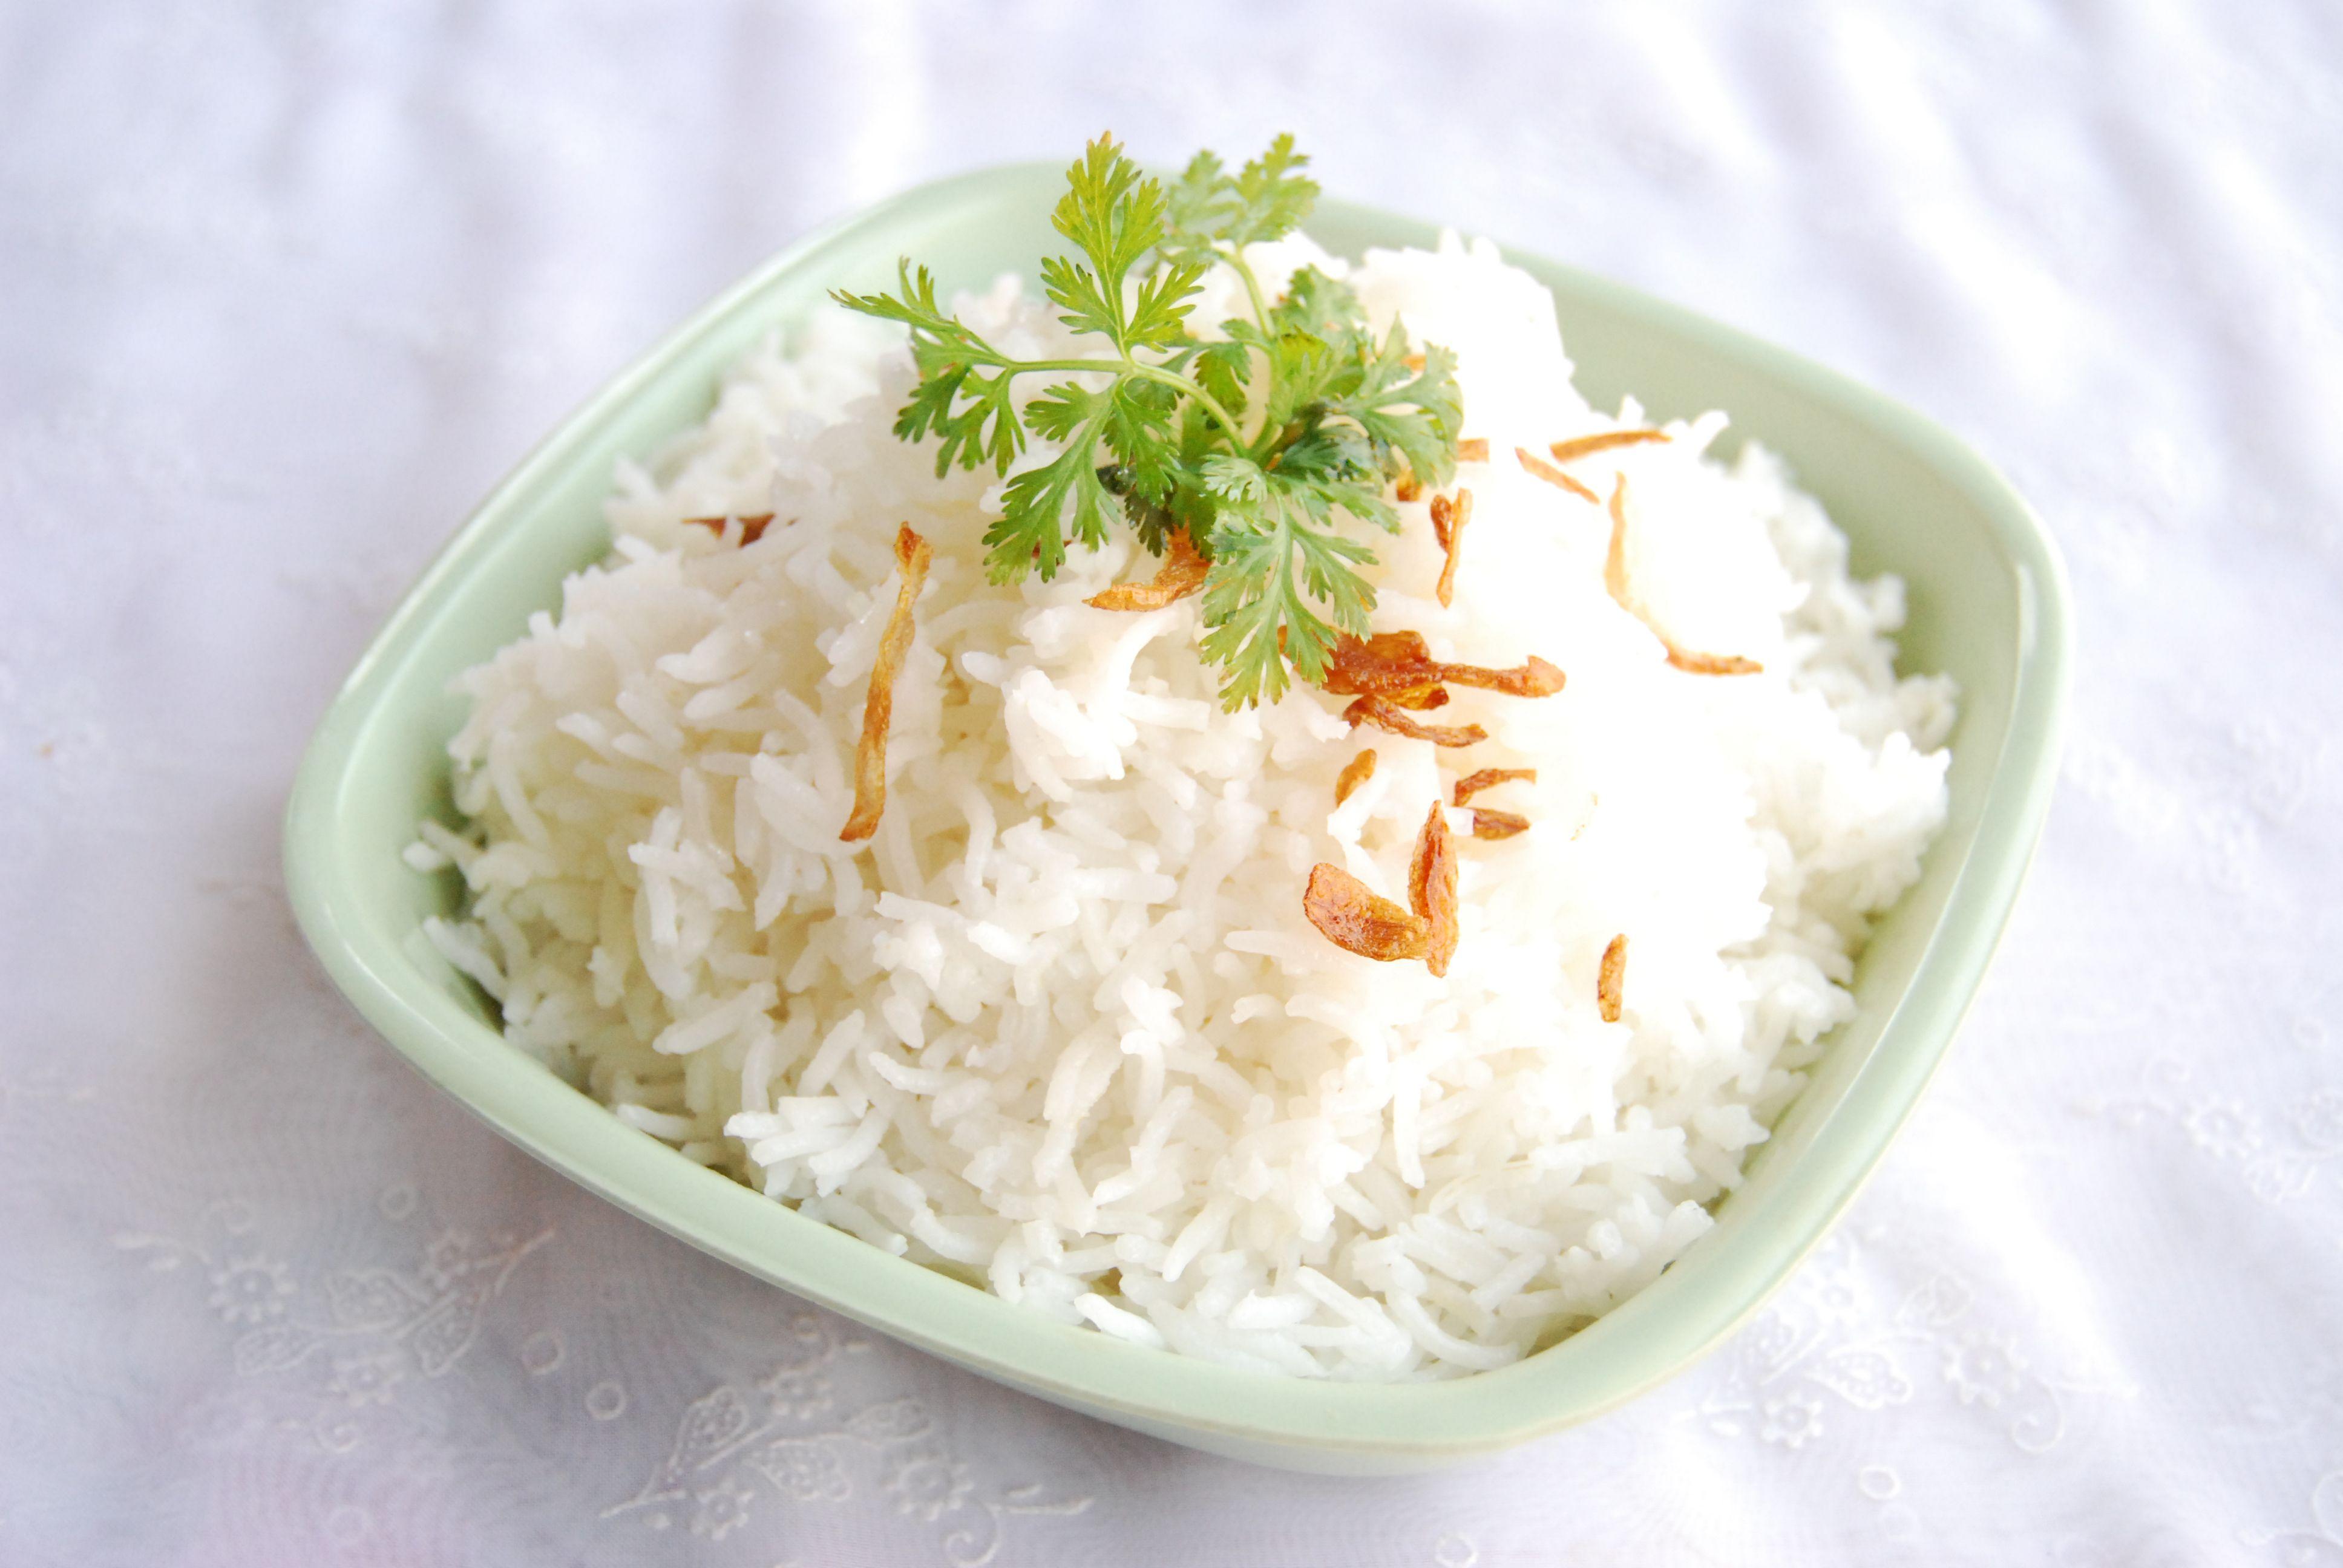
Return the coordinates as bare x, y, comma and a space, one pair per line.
1988, 605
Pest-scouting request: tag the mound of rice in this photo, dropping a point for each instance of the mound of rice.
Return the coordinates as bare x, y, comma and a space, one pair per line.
1060, 1028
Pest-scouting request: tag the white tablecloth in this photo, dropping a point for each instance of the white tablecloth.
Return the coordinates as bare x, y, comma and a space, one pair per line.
284, 288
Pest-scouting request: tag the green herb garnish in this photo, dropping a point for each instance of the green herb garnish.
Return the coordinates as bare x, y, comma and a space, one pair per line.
1266, 444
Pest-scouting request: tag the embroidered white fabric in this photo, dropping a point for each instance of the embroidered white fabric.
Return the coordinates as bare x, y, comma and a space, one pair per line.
288, 287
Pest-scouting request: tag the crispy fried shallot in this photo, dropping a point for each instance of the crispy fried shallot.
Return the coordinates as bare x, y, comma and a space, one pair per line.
1613, 980
1357, 920
1554, 476
1431, 888
1472, 784
1448, 520
752, 529
1380, 664
1391, 663
911, 555
1475, 450
1586, 446
1615, 562
1713, 663
1489, 824
1622, 594
1384, 713
1356, 772
1182, 573
1534, 679
1408, 487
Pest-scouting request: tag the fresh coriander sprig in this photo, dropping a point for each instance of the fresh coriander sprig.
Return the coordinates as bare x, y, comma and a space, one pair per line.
1266, 443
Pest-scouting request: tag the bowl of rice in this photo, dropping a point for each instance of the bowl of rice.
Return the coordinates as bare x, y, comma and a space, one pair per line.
1053, 1070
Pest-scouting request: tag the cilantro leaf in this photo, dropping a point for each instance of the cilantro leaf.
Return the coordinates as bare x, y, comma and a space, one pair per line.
964, 395
1139, 432
1195, 209
1075, 289
1116, 215
1239, 480
1212, 212
1269, 563
1040, 503
1319, 305
1274, 196
1157, 430
1416, 415
1159, 315
1222, 369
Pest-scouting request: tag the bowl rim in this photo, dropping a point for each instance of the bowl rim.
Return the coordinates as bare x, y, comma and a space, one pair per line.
1600, 1367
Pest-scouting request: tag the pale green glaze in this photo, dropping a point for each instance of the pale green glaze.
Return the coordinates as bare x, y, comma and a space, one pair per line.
1988, 604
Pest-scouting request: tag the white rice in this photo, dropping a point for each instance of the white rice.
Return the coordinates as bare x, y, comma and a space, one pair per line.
1060, 1028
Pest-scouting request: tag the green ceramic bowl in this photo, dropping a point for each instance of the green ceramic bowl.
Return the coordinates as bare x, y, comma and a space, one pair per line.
1988, 604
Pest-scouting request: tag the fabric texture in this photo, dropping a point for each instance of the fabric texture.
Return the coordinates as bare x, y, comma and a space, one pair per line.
288, 287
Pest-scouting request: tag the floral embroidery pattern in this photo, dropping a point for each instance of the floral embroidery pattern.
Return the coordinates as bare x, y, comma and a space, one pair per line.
782, 1433
2320, 1541
1983, 1369
369, 1378
2305, 1418
723, 1508
1454, 1551
799, 1393
250, 1289
926, 1482
1792, 1418
368, 1330
1817, 1344
2278, 1157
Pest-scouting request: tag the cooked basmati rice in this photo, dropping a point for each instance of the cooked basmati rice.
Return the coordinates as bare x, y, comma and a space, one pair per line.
1060, 1027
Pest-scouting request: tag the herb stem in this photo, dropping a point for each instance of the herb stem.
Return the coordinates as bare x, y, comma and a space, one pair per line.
1129, 367
1211, 405
1235, 254
1251, 286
